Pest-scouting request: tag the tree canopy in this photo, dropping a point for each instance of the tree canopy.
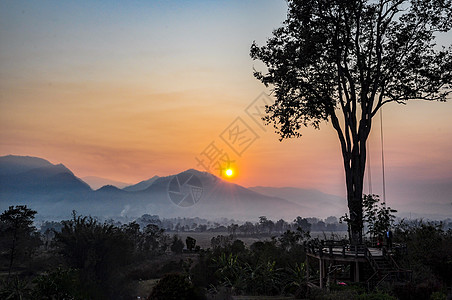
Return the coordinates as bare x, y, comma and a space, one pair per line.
18, 238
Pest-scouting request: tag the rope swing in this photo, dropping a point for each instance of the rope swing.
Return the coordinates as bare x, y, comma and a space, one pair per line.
369, 173
382, 156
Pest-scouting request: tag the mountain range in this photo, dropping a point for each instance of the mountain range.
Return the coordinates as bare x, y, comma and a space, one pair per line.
97, 182
54, 191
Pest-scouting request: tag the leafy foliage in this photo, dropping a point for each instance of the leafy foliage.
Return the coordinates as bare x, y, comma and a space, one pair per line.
60, 283
265, 268
429, 251
15, 288
191, 243
378, 217
18, 236
97, 250
338, 54
177, 245
174, 287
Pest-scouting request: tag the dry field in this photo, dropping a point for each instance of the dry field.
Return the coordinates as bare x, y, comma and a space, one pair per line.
203, 238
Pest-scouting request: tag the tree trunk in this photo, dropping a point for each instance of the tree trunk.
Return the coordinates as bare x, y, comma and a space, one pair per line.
354, 182
13, 252
353, 146
355, 207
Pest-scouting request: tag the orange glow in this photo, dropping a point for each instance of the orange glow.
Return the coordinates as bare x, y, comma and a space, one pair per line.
106, 102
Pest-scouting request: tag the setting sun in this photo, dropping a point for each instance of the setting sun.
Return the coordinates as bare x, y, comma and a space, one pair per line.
229, 172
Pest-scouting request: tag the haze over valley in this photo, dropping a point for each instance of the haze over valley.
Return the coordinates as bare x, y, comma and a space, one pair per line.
54, 191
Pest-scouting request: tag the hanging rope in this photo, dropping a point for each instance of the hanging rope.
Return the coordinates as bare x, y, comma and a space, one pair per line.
369, 173
382, 156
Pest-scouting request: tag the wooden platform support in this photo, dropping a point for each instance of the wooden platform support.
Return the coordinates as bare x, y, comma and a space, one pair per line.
322, 271
356, 271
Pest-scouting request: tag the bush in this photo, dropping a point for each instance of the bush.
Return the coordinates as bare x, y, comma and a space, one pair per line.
99, 252
348, 294
58, 284
177, 244
438, 296
175, 287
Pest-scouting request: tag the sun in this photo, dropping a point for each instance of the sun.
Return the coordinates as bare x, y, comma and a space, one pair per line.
229, 172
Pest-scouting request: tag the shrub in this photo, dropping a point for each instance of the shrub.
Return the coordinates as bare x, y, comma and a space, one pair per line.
175, 287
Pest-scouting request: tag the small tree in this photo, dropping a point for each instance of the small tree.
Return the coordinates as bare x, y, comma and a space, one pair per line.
18, 236
174, 287
99, 251
177, 244
378, 217
302, 223
154, 239
191, 243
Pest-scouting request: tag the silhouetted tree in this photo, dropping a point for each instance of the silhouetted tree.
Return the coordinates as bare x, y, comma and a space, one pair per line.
331, 220
154, 239
247, 228
428, 254
177, 245
378, 217
302, 223
58, 284
18, 236
353, 57
99, 251
190, 242
266, 225
175, 287
232, 229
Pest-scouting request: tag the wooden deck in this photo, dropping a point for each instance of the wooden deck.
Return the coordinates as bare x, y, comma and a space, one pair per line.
371, 264
343, 253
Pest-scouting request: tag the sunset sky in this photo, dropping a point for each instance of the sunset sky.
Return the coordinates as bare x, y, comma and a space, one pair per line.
129, 90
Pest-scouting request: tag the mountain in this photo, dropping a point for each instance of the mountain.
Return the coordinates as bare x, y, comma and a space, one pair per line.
193, 193
314, 202
142, 185
12, 164
54, 190
98, 182
108, 189
24, 174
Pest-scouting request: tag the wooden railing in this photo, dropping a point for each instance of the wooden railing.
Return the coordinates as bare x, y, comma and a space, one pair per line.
389, 270
331, 247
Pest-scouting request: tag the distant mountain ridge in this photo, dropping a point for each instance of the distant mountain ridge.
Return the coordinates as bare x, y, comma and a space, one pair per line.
96, 182
142, 185
13, 164
55, 190
315, 202
32, 174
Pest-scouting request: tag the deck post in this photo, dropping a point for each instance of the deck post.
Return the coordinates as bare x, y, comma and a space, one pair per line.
356, 271
322, 271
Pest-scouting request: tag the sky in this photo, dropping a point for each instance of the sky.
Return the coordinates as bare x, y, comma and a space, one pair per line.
131, 89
